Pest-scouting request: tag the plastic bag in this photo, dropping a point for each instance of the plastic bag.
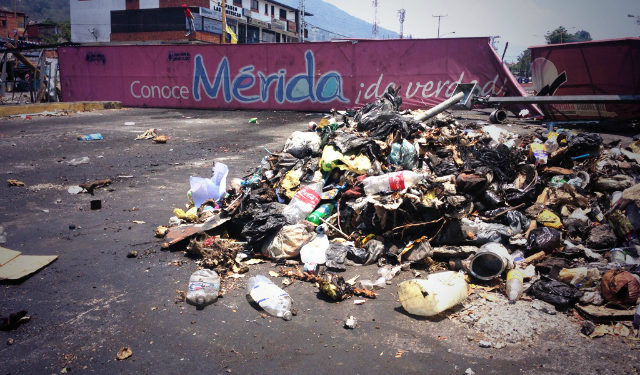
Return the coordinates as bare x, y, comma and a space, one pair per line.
549, 219
620, 287
288, 241
403, 155
516, 220
203, 189
303, 144
266, 220
337, 255
584, 143
555, 292
543, 239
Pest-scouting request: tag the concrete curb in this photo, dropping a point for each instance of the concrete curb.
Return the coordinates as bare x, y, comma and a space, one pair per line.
25, 109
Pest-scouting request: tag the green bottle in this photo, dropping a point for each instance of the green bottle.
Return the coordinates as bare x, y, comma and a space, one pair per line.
323, 211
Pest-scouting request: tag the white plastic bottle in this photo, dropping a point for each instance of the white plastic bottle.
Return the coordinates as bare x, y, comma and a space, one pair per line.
272, 299
395, 181
303, 202
515, 285
203, 287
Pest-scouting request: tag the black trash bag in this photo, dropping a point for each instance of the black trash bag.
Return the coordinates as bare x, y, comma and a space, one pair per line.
445, 167
555, 292
492, 199
349, 142
516, 220
266, 220
336, 256
501, 160
543, 239
584, 143
516, 196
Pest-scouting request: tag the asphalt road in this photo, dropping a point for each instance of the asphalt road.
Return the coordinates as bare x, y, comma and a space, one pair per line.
94, 300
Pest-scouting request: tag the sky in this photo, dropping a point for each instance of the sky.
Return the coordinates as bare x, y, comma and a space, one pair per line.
522, 23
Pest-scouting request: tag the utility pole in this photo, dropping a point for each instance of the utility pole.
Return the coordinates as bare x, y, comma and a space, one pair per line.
439, 16
302, 25
401, 14
224, 22
374, 31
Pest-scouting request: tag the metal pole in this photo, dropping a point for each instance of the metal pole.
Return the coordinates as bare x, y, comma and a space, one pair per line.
224, 22
441, 107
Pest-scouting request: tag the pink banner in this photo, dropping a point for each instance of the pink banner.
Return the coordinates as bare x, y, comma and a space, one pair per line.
301, 76
603, 67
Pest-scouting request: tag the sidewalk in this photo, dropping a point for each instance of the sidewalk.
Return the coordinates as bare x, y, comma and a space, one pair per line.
29, 109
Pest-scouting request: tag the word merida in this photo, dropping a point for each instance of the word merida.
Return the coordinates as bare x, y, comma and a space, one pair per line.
243, 88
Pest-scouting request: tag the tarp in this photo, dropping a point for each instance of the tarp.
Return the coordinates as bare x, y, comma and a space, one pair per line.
296, 76
603, 67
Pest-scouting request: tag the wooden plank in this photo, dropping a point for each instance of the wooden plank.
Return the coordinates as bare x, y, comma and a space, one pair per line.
7, 255
24, 265
600, 313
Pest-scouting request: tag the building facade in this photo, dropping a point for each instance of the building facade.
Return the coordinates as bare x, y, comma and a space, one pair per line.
12, 24
253, 21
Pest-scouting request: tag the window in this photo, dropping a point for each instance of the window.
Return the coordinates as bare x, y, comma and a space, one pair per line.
283, 14
254, 5
237, 3
273, 10
266, 9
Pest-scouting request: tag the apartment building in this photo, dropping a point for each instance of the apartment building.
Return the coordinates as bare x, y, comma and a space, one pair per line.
253, 21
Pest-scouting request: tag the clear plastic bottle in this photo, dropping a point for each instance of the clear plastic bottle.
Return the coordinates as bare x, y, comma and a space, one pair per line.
395, 181
303, 202
270, 297
515, 285
203, 287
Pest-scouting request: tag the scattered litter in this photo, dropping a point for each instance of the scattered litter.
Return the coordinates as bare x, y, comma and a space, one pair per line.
79, 161
15, 182
13, 321
90, 137
148, 134
351, 322
124, 353
138, 222
75, 190
96, 204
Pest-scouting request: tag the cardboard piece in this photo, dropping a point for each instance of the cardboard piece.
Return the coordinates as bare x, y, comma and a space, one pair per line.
14, 265
7, 255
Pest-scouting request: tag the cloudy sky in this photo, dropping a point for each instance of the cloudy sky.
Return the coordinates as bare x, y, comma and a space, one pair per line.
522, 23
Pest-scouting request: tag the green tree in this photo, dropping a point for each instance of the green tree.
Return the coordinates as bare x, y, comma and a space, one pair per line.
561, 35
522, 67
582, 36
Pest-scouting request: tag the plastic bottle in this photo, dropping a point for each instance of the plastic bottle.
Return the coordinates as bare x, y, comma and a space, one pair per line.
436, 293
303, 202
515, 285
203, 287
323, 211
272, 299
395, 181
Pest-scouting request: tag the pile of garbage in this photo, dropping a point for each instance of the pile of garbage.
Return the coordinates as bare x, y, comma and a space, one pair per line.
552, 215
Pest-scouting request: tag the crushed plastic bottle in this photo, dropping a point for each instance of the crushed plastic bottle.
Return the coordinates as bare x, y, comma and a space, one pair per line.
395, 181
303, 202
203, 288
515, 285
270, 297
